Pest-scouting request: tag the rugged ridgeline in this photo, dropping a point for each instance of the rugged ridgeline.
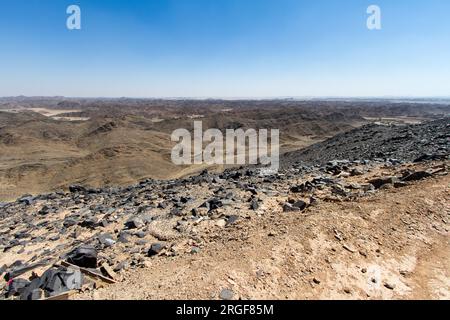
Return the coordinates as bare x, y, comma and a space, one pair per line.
59, 242
403, 142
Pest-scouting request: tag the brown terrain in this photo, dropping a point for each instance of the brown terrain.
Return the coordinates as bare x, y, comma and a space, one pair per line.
41, 153
47, 144
359, 209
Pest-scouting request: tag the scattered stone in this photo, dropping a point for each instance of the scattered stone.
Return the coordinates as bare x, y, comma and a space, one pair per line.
16, 270
106, 240
124, 237
348, 248
221, 223
77, 188
176, 212
375, 142
69, 222
44, 211
226, 294
16, 287
300, 204
400, 184
83, 256
90, 223
287, 207
419, 175
52, 282
195, 250
35, 294
162, 205
141, 242
232, 220
55, 237
390, 286
107, 271
134, 223
3, 269
155, 249
356, 172
57, 281
429, 157
212, 204
121, 266
305, 187
254, 204
26, 199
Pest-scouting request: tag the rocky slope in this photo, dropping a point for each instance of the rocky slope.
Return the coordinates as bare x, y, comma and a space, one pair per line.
425, 141
334, 227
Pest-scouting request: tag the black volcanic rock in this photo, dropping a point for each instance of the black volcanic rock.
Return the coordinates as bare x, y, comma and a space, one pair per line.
134, 223
155, 249
254, 204
83, 256
300, 204
287, 207
304, 187
16, 287
418, 175
77, 188
212, 204
420, 142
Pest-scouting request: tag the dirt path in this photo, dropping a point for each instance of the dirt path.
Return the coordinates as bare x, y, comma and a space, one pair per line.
392, 245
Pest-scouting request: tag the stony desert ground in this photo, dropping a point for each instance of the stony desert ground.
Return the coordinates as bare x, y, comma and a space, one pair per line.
358, 210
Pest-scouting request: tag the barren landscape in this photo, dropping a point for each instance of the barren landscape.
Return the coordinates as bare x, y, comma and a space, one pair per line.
48, 144
92, 207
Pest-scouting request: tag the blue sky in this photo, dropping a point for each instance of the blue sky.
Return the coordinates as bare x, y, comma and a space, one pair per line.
225, 48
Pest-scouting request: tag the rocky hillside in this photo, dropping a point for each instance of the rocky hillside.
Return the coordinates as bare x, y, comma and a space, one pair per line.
87, 238
418, 142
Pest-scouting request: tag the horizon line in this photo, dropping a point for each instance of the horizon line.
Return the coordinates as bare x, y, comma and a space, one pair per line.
437, 97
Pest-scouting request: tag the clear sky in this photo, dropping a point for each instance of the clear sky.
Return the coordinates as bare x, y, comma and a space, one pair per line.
225, 48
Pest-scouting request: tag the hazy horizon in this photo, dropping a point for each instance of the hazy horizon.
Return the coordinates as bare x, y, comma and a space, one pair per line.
236, 98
